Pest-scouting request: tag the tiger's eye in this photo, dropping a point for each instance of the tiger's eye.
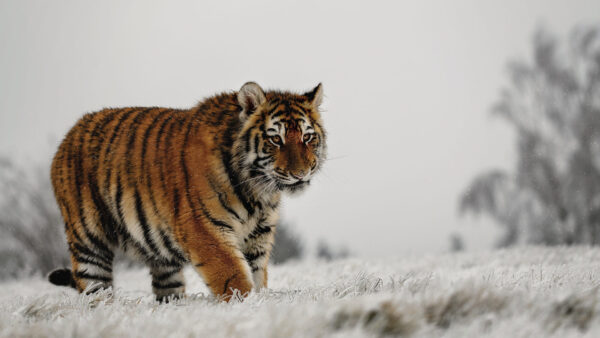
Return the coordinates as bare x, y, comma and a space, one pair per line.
276, 139
307, 137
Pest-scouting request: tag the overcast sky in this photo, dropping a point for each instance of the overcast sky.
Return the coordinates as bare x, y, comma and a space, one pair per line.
408, 88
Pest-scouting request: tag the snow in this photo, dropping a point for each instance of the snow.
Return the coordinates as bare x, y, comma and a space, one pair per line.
522, 292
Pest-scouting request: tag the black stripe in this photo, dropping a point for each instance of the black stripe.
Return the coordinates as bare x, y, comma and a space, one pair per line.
126, 114
227, 282
165, 275
256, 162
127, 239
170, 247
259, 231
85, 260
132, 137
108, 152
222, 200
123, 226
211, 219
255, 172
270, 113
281, 112
256, 143
273, 205
230, 134
107, 222
221, 115
226, 157
161, 130
77, 160
97, 139
118, 199
159, 134
176, 202
85, 275
156, 159
144, 224
95, 240
77, 237
94, 145
235, 182
250, 257
78, 248
165, 155
247, 139
147, 134
184, 169
227, 207
172, 285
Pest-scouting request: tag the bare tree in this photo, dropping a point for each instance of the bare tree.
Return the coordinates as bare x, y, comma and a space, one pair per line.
553, 103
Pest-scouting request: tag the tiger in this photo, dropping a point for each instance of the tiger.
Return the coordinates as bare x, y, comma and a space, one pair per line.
176, 187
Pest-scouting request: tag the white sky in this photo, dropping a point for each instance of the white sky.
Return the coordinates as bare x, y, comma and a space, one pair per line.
408, 88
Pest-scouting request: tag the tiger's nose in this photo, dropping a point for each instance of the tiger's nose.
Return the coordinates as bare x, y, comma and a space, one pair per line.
298, 175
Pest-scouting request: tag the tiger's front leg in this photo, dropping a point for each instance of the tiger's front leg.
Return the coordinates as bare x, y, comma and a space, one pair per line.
219, 261
257, 250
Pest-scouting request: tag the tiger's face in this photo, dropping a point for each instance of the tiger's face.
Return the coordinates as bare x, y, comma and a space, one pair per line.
283, 137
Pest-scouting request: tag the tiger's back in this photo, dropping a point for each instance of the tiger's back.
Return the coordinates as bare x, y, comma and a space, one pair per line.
166, 186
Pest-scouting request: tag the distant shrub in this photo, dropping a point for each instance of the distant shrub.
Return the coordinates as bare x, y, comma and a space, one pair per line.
456, 243
326, 252
288, 245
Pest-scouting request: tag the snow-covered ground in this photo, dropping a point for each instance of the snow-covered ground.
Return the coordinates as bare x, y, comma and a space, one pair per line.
526, 292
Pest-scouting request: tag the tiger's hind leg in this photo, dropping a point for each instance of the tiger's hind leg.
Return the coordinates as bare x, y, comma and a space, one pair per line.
92, 267
91, 247
167, 281
91, 254
89, 224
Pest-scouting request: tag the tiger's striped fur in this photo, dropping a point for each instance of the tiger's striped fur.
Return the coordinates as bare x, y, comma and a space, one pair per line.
173, 187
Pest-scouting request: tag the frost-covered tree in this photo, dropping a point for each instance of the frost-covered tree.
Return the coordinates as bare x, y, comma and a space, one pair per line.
31, 230
552, 196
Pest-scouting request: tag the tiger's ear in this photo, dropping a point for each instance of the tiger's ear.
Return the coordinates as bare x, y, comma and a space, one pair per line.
315, 96
250, 97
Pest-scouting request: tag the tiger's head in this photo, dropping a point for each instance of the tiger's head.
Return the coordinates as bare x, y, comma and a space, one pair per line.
282, 139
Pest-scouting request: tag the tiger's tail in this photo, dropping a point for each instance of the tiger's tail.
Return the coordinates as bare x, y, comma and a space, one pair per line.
62, 277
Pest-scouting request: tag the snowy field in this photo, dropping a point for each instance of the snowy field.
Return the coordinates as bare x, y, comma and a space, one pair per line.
528, 292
